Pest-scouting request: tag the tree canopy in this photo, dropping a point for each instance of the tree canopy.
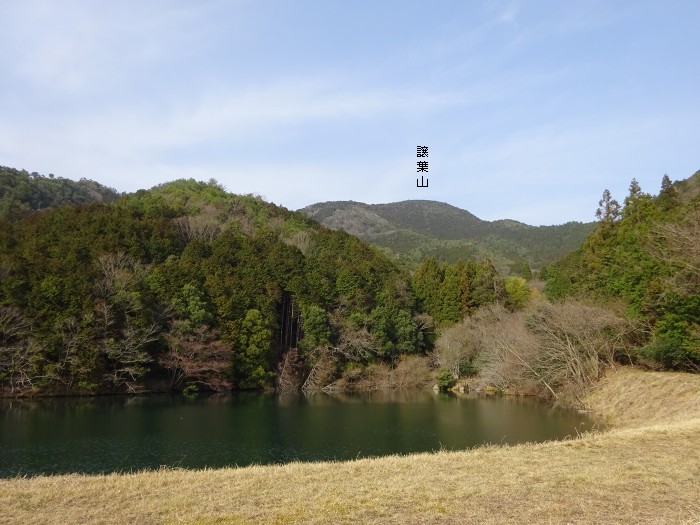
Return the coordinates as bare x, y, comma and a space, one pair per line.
646, 254
22, 192
183, 285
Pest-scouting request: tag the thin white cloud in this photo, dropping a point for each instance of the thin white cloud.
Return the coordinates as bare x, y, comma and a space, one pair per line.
509, 14
558, 150
74, 47
254, 112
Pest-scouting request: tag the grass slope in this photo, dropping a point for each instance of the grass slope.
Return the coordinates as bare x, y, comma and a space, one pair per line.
645, 470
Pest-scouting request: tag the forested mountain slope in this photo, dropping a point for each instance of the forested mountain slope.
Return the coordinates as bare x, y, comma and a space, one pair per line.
22, 192
644, 253
188, 286
415, 229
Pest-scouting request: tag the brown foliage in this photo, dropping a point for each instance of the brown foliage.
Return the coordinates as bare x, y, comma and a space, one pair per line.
16, 356
289, 375
196, 354
679, 244
506, 349
197, 227
354, 343
553, 350
456, 346
322, 370
409, 372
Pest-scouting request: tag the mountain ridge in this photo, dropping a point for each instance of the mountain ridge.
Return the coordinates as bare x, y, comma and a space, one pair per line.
22, 193
413, 229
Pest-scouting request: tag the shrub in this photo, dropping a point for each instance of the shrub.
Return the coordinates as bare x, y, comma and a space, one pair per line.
445, 380
517, 293
457, 347
552, 350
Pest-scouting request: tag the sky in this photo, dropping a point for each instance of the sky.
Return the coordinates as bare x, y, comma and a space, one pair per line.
530, 109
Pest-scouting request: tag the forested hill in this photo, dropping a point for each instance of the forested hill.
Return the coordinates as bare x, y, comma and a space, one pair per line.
22, 192
419, 228
188, 286
644, 254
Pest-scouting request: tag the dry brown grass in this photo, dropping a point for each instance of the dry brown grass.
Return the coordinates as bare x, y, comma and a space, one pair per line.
629, 397
631, 474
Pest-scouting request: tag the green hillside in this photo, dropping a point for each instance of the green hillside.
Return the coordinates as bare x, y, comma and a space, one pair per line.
644, 255
186, 286
412, 230
22, 192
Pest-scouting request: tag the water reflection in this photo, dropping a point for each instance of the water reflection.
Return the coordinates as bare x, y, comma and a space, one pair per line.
105, 434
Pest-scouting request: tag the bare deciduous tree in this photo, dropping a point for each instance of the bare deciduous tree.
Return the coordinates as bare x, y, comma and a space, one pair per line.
576, 342
120, 271
356, 344
322, 371
353, 343
12, 325
16, 351
456, 347
507, 350
127, 354
558, 349
411, 371
5, 269
192, 228
197, 355
290, 373
300, 240
679, 244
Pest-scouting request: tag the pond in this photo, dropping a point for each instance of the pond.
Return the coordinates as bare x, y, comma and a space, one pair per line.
108, 434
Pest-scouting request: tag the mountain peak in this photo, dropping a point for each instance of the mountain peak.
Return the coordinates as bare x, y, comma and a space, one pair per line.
412, 229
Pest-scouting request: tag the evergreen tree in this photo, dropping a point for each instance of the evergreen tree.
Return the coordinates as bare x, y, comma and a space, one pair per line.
644, 257
252, 357
426, 284
485, 285
451, 308
638, 205
462, 271
396, 330
608, 208
316, 329
668, 196
189, 280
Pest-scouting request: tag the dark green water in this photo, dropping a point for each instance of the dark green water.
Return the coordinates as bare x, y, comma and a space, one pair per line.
110, 434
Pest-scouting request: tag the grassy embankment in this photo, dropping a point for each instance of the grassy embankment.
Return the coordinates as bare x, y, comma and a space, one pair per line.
646, 469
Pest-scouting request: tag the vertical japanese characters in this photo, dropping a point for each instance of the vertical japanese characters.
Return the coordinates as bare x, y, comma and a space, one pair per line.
422, 165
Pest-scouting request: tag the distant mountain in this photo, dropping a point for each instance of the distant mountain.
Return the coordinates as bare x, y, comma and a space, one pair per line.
414, 229
22, 192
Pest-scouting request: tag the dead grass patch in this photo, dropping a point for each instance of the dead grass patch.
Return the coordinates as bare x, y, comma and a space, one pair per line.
630, 397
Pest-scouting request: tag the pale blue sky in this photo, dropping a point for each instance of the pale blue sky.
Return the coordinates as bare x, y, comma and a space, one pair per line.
530, 108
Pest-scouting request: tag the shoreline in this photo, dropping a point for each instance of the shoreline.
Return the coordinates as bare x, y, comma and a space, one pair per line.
644, 469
